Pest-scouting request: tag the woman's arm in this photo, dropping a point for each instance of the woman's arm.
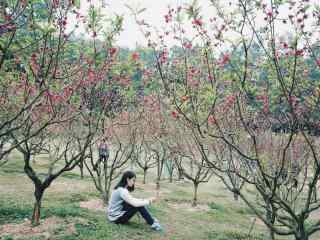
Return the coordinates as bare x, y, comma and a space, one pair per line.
136, 202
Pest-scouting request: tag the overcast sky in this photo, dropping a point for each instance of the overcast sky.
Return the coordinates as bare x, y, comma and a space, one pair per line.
154, 14
131, 35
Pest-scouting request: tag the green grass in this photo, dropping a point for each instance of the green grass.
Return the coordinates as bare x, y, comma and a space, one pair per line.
215, 206
7, 238
178, 224
72, 175
225, 219
13, 211
234, 235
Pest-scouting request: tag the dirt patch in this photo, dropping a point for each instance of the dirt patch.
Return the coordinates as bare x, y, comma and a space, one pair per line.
315, 215
93, 204
257, 221
188, 207
47, 228
149, 190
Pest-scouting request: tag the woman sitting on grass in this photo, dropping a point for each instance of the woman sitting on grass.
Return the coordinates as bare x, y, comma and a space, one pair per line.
123, 206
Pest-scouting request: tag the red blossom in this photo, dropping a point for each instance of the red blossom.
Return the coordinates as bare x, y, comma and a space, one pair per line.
135, 56
174, 114
91, 75
67, 92
293, 100
197, 22
7, 18
164, 56
168, 18
184, 98
33, 63
229, 101
112, 51
269, 13
55, 3
193, 83
34, 56
211, 120
125, 81
299, 52
224, 60
187, 45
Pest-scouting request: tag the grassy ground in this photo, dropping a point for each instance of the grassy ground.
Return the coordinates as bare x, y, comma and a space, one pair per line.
218, 216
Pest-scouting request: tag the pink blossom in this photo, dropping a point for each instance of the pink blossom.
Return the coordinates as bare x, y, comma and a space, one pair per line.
211, 120
91, 75
197, 22
135, 56
112, 51
184, 98
187, 45
174, 114
299, 52
269, 13
225, 59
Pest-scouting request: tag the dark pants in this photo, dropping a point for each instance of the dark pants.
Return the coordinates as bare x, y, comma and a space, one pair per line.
102, 158
130, 211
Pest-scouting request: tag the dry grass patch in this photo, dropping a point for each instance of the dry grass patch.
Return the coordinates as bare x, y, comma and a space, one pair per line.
48, 228
93, 204
187, 206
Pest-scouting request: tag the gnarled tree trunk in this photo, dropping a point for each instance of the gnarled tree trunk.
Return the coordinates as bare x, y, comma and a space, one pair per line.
38, 193
195, 194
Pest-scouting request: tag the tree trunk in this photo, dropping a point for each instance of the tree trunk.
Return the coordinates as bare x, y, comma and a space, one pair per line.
235, 196
132, 162
105, 198
301, 236
106, 184
171, 176
38, 193
271, 234
314, 193
301, 233
81, 169
191, 167
270, 219
195, 195
158, 177
108, 191
144, 175
180, 175
104, 191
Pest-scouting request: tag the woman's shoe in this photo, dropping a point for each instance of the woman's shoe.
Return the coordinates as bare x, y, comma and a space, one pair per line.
156, 226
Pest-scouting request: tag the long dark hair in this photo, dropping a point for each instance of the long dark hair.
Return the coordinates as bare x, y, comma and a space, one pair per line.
123, 180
